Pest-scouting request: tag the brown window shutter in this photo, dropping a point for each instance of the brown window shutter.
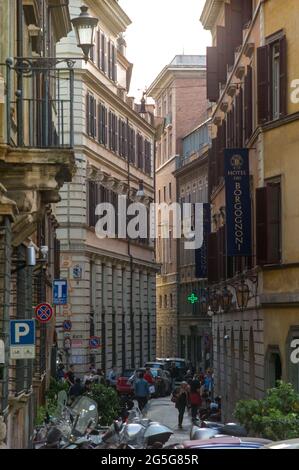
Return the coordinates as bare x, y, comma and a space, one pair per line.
239, 119
113, 63
261, 226
263, 84
116, 133
212, 74
236, 23
221, 54
87, 113
246, 11
248, 104
106, 126
212, 258
110, 130
99, 48
94, 118
133, 146
283, 76
103, 53
221, 253
273, 223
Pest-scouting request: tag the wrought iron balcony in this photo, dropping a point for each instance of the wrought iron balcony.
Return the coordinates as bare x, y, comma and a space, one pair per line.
39, 98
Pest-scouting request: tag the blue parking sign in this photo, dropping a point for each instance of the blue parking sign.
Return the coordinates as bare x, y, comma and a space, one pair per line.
22, 332
60, 292
22, 339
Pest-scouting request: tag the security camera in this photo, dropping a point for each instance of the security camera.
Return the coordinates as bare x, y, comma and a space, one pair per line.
44, 251
226, 337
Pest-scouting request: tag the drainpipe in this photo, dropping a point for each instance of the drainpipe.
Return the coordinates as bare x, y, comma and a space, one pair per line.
20, 53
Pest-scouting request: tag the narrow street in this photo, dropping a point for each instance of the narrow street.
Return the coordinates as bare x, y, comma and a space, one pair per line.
164, 411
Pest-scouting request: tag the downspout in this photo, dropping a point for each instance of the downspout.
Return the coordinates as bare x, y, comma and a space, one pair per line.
20, 53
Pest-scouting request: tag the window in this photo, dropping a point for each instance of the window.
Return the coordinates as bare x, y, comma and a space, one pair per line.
165, 301
140, 152
170, 145
103, 124
147, 157
164, 193
171, 301
271, 80
103, 53
169, 189
91, 115
132, 145
268, 224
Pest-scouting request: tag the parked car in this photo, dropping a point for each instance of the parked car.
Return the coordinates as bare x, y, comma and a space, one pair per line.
155, 365
123, 385
162, 382
287, 444
180, 363
227, 443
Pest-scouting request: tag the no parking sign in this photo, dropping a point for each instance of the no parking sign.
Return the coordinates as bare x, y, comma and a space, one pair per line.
44, 313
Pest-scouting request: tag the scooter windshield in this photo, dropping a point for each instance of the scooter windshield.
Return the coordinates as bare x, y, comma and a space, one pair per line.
87, 416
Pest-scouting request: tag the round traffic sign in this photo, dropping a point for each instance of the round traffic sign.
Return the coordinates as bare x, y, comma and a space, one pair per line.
67, 325
44, 313
95, 342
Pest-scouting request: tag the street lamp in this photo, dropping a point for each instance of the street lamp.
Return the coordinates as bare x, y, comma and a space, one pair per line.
226, 299
85, 26
242, 294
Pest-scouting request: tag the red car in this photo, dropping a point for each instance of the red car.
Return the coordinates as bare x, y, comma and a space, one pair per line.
123, 386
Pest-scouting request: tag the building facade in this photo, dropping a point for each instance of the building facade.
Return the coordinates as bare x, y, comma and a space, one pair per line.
179, 92
111, 280
33, 166
252, 70
194, 324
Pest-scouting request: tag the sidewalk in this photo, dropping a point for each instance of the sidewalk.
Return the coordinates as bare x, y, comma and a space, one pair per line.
164, 411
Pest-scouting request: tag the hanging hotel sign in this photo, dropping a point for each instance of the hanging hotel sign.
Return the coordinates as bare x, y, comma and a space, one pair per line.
238, 204
201, 254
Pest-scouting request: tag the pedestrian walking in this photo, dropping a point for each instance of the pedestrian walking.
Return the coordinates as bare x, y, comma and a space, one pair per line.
173, 374
148, 376
181, 398
195, 398
112, 377
142, 392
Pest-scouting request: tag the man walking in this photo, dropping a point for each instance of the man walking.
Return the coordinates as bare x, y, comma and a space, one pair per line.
142, 392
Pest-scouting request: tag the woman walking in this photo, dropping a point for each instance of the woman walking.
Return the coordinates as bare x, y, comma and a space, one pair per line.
181, 397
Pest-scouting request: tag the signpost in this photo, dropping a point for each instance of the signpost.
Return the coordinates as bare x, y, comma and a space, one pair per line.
60, 290
67, 325
94, 342
22, 339
44, 313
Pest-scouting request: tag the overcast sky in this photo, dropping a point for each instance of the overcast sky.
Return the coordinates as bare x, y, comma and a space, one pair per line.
160, 30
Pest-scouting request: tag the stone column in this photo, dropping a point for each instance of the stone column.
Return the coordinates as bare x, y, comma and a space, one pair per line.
107, 292
152, 309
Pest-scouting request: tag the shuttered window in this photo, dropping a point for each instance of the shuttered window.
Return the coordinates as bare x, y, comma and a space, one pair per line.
132, 145
91, 115
114, 69
148, 157
213, 258
272, 80
248, 126
268, 224
99, 55
212, 74
140, 152
103, 53
221, 54
103, 124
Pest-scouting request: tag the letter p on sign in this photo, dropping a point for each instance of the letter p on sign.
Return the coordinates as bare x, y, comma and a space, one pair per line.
22, 329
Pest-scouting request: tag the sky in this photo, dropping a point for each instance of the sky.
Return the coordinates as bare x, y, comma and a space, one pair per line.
160, 30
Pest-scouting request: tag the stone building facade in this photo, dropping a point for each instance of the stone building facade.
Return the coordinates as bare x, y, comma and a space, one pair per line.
33, 167
252, 90
194, 324
112, 280
179, 92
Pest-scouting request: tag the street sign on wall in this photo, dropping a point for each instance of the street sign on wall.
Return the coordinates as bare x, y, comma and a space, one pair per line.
44, 313
22, 339
60, 290
94, 342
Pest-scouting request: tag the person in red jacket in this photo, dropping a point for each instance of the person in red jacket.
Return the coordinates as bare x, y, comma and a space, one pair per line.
195, 398
148, 376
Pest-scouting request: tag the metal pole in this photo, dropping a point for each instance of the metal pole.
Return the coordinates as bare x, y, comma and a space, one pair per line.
20, 51
8, 97
72, 107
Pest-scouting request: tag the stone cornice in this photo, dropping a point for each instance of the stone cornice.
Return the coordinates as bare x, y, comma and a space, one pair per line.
169, 74
210, 12
111, 14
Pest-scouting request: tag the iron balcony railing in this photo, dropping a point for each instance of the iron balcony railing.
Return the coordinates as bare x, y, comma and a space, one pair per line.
39, 107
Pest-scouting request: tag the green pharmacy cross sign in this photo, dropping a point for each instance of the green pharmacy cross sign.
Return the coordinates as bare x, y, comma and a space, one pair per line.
192, 299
